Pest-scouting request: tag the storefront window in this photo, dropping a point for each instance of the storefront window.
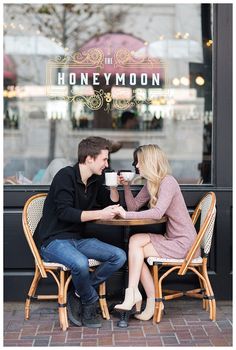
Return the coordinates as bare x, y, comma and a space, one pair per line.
172, 109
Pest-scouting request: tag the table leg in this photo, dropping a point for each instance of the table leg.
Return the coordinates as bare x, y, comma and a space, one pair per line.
126, 246
124, 315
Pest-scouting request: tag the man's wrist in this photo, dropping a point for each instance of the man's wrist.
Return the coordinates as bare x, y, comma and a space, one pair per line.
90, 215
99, 214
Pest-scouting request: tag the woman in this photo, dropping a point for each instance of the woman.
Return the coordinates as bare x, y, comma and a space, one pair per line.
164, 197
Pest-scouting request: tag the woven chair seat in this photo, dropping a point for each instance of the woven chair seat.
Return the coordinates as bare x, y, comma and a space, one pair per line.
153, 259
93, 262
52, 265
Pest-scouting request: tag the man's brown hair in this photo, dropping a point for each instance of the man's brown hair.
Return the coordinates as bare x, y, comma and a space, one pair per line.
92, 146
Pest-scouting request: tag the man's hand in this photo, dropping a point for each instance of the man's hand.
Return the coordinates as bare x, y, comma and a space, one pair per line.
120, 211
109, 213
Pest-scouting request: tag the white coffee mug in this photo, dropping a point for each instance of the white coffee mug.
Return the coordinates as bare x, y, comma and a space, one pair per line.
127, 175
111, 179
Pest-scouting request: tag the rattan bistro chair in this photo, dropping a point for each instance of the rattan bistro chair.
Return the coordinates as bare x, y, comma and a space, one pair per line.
206, 209
31, 215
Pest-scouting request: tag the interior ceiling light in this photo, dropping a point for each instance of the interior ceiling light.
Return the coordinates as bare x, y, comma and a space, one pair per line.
199, 80
175, 82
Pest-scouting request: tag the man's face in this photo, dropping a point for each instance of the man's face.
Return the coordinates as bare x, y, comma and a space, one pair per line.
100, 163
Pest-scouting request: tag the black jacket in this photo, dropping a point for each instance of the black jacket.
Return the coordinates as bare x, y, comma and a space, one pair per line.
67, 198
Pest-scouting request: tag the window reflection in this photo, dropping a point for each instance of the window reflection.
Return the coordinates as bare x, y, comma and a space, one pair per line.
177, 115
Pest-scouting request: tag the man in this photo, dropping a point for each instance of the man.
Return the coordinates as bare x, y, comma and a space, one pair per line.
70, 203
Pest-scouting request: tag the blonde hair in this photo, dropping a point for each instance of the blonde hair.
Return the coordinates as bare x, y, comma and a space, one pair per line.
154, 167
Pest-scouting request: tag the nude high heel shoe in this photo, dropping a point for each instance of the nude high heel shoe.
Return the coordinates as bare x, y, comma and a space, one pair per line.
132, 297
148, 312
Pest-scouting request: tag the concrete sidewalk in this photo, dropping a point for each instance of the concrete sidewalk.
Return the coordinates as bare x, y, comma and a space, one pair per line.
184, 324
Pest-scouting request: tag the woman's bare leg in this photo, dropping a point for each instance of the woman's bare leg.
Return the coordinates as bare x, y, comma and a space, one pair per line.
136, 257
147, 281
148, 284
146, 276
137, 253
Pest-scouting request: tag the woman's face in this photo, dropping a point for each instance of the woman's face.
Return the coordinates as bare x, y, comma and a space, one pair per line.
139, 168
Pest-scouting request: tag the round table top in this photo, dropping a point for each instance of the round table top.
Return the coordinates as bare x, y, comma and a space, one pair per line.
131, 222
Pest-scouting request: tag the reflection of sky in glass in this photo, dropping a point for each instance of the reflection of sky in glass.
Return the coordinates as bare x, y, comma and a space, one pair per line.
36, 45
173, 49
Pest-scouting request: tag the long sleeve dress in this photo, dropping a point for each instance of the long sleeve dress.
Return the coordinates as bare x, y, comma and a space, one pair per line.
180, 231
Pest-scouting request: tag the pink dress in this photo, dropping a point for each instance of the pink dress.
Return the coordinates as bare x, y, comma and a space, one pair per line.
180, 232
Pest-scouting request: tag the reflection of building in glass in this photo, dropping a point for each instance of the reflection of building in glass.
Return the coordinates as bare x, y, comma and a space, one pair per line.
171, 115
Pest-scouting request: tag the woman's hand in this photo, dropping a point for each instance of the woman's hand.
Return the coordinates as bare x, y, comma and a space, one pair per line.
122, 181
120, 211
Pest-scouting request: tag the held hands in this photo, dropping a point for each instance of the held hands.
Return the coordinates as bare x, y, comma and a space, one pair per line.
109, 212
120, 211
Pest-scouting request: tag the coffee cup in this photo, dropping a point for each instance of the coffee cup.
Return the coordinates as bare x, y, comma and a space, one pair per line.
127, 175
111, 179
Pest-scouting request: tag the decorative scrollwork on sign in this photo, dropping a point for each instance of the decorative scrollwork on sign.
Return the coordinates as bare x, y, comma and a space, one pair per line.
122, 57
87, 59
61, 60
108, 97
100, 97
92, 58
91, 65
125, 58
93, 102
122, 104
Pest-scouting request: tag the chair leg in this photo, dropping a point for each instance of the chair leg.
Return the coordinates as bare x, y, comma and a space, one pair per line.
31, 292
103, 301
68, 278
207, 287
61, 302
158, 294
213, 310
159, 311
212, 302
204, 301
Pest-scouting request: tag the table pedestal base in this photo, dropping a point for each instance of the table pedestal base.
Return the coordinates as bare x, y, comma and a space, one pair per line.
124, 319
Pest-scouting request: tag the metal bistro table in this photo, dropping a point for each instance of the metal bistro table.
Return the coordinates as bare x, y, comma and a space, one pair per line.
127, 223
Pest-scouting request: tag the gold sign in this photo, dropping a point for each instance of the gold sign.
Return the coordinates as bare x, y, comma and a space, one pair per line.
89, 76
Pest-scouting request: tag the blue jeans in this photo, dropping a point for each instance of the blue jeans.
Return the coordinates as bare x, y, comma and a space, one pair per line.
74, 254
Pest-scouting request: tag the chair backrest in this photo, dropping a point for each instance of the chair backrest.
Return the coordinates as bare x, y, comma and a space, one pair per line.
207, 209
207, 221
32, 213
